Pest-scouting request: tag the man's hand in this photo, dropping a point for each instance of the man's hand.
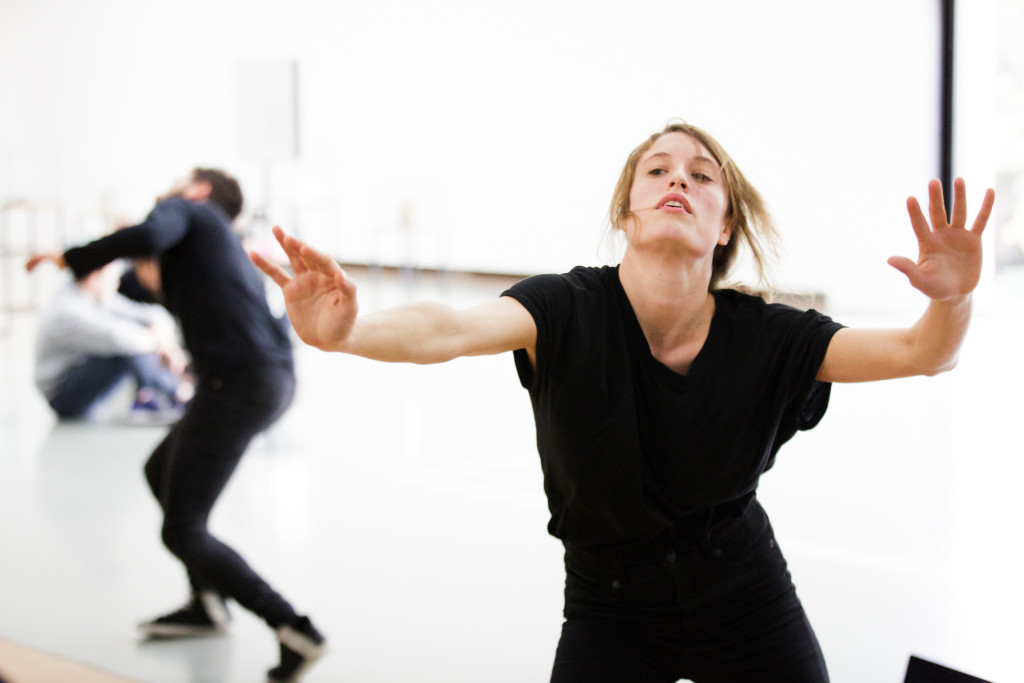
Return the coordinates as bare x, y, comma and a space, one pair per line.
55, 257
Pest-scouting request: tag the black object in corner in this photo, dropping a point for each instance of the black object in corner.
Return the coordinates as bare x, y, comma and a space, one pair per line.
922, 671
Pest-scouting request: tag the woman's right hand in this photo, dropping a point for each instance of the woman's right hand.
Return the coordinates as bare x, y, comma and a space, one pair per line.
319, 296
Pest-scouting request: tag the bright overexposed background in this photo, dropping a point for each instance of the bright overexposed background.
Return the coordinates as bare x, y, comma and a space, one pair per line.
493, 131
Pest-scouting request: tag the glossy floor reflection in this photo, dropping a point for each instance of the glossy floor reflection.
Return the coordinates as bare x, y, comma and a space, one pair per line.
402, 508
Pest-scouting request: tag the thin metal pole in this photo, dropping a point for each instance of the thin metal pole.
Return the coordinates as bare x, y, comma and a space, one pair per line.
946, 123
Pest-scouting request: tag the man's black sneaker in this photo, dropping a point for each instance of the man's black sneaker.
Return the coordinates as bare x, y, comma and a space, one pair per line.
205, 614
301, 646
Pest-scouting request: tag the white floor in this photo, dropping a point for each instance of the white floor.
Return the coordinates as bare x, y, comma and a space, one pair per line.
402, 508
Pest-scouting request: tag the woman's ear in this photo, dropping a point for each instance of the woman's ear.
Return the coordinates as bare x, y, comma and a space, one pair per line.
628, 224
723, 239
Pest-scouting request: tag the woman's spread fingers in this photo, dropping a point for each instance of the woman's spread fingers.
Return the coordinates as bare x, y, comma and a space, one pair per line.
917, 219
959, 217
983, 214
318, 260
936, 205
276, 272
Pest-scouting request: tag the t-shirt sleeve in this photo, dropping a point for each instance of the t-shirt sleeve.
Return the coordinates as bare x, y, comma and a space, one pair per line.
804, 338
548, 298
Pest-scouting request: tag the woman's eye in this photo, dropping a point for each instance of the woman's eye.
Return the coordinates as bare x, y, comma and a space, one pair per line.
702, 177
656, 171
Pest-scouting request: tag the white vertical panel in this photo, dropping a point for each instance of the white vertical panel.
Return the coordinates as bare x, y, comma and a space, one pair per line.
266, 124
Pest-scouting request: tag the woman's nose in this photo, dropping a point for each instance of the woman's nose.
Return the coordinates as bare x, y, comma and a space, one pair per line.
678, 179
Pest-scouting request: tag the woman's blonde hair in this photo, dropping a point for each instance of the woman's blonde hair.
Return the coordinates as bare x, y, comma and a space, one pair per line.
745, 214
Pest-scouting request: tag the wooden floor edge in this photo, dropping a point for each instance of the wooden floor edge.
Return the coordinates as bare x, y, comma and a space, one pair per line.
23, 664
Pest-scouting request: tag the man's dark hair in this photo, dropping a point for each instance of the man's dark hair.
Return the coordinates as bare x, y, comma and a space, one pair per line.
225, 191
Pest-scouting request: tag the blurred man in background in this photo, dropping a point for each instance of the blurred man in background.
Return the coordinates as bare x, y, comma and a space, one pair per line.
242, 360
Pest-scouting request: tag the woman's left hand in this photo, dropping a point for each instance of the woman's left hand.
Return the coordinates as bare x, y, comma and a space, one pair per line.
949, 259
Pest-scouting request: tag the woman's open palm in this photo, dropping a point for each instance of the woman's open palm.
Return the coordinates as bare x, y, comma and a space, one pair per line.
949, 258
319, 296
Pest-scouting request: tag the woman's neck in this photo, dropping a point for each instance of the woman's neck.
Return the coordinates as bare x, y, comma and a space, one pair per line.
672, 304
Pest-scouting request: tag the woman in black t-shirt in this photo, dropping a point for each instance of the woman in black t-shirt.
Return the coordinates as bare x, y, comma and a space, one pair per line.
660, 398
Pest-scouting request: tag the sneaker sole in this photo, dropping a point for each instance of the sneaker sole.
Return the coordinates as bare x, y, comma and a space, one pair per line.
311, 657
177, 631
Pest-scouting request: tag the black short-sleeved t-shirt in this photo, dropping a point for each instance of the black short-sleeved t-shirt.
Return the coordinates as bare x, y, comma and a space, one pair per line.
633, 452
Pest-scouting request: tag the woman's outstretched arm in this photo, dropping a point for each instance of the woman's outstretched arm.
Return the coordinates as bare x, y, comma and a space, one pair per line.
947, 270
324, 312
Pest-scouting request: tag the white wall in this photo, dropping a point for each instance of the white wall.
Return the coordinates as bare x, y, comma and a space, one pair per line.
501, 127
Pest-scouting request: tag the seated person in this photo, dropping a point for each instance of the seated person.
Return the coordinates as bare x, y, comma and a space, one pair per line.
93, 338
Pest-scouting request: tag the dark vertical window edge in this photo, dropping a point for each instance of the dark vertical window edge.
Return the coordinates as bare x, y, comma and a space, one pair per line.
946, 123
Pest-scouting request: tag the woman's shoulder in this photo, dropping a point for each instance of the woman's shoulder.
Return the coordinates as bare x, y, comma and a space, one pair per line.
768, 311
762, 300
581, 291
740, 300
579, 278
592, 276
746, 305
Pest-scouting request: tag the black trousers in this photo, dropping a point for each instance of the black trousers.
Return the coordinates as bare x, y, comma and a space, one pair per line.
189, 469
724, 611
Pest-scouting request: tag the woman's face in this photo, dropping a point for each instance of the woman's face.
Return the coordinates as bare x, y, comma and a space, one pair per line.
678, 199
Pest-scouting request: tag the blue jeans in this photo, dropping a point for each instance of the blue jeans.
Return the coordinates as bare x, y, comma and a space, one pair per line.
190, 468
90, 383
723, 611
